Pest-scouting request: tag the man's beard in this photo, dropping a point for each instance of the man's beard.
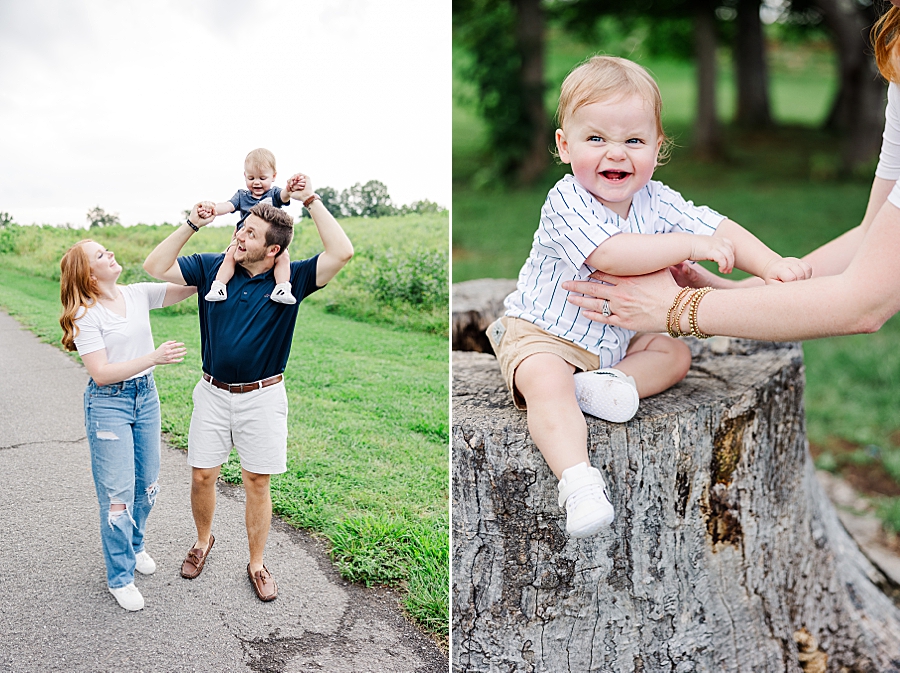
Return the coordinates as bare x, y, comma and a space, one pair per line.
253, 257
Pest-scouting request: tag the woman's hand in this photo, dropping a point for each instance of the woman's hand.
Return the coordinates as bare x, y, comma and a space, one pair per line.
169, 353
637, 303
690, 274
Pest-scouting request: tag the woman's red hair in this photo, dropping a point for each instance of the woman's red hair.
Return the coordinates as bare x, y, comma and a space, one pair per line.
77, 290
884, 37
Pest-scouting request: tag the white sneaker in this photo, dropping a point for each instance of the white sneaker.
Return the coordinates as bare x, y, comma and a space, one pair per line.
583, 493
282, 294
128, 597
218, 292
144, 564
608, 394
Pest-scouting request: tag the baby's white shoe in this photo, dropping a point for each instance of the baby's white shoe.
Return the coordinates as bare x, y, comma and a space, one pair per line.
582, 492
608, 394
218, 292
282, 294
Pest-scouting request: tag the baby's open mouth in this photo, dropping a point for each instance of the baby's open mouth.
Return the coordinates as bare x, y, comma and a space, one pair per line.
615, 176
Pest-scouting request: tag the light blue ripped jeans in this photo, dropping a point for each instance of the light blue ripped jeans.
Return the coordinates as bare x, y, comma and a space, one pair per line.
122, 424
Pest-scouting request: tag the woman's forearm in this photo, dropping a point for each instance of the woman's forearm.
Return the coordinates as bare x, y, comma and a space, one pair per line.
105, 373
858, 300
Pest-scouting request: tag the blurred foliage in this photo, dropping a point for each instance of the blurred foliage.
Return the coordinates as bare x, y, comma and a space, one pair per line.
371, 199
486, 29
97, 217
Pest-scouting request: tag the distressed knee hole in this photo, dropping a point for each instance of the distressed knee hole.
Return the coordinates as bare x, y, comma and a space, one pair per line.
106, 434
118, 514
152, 491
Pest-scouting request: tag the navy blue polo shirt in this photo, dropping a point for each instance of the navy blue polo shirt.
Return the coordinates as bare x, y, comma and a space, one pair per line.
248, 336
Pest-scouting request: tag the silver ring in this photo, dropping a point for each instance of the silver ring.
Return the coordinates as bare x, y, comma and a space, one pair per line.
605, 311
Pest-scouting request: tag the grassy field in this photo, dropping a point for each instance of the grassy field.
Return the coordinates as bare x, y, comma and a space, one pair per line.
784, 185
368, 425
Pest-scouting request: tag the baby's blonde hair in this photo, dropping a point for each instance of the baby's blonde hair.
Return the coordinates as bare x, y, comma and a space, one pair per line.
609, 78
260, 158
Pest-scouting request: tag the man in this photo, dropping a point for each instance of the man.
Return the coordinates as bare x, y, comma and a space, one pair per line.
245, 342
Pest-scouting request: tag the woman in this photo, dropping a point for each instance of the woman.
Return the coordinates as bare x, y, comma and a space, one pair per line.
855, 288
109, 325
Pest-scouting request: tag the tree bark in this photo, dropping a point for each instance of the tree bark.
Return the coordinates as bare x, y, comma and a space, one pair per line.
707, 133
753, 109
858, 108
529, 33
725, 554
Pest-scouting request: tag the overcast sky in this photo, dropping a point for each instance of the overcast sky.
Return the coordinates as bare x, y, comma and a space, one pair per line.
145, 107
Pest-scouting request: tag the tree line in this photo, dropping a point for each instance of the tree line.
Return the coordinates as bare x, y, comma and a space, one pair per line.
370, 199
506, 41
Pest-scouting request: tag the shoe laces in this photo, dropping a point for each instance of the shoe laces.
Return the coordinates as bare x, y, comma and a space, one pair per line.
585, 493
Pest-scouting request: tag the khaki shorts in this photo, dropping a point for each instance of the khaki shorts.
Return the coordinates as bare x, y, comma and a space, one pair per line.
514, 339
255, 423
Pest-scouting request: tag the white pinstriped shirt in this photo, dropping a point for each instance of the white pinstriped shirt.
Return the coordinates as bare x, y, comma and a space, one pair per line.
573, 224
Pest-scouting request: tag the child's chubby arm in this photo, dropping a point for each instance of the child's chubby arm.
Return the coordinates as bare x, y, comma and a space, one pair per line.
753, 256
217, 209
637, 254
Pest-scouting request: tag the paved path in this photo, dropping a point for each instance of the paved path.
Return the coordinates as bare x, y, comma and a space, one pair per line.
56, 613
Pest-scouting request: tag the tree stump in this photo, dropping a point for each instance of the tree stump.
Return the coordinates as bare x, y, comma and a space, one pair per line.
725, 554
476, 304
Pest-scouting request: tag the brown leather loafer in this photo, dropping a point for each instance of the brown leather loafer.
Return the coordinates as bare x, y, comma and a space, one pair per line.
263, 584
196, 559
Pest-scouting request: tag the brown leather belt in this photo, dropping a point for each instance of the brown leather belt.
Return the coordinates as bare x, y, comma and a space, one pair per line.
243, 387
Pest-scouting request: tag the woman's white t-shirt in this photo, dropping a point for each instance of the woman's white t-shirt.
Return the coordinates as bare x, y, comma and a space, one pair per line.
124, 338
889, 160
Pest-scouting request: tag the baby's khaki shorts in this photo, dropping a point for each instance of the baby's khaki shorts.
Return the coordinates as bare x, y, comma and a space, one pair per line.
514, 339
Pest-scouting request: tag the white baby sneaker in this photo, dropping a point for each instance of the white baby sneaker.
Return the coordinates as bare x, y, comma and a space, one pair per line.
218, 292
282, 294
608, 394
582, 492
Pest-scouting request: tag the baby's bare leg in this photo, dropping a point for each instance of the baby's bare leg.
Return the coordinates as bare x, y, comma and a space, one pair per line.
283, 268
656, 361
555, 422
226, 271
218, 290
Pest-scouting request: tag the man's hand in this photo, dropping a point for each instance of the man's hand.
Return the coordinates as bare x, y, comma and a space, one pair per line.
786, 270
299, 186
203, 213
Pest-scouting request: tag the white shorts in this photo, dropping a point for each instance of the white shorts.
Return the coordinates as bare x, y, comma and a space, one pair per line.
254, 423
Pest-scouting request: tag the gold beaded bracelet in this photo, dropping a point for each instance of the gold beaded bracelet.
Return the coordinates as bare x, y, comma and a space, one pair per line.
692, 314
674, 328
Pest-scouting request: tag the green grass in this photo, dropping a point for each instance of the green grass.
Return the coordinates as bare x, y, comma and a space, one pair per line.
405, 257
368, 425
784, 185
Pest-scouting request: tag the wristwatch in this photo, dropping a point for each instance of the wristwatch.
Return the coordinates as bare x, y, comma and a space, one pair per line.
308, 202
